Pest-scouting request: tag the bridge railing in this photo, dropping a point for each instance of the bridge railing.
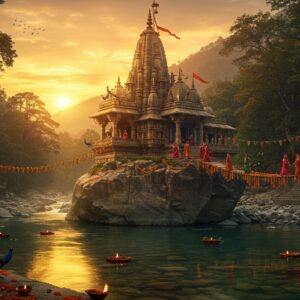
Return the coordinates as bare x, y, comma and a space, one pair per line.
252, 179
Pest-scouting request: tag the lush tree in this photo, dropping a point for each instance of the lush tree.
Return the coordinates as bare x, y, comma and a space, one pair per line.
222, 98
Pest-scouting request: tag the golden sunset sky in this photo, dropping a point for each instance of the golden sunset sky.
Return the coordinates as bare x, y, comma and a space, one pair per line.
88, 43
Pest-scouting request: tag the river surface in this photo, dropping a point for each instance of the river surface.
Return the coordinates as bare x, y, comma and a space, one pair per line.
168, 263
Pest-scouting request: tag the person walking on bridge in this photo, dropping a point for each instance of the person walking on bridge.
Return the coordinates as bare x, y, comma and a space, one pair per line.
228, 166
297, 165
247, 168
285, 166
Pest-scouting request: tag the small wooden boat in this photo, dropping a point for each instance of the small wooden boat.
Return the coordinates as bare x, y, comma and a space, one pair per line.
47, 232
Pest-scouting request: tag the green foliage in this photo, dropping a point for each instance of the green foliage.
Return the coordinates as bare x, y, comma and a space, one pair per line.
268, 81
27, 136
222, 98
7, 52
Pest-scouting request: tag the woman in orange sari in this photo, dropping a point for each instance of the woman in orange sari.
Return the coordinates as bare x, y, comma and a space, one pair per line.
285, 166
229, 166
186, 150
297, 165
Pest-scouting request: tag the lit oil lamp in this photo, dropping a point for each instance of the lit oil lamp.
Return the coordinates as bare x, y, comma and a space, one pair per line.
46, 232
117, 259
288, 253
3, 235
24, 290
211, 241
97, 294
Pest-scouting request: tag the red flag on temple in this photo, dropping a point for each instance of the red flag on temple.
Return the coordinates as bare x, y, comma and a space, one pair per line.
168, 31
196, 76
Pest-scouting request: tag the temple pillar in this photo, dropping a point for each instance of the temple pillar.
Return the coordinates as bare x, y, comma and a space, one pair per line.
115, 119
177, 121
200, 133
133, 132
103, 125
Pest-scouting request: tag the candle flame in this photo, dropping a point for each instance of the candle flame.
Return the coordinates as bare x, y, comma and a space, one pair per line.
211, 238
25, 286
117, 255
287, 251
105, 290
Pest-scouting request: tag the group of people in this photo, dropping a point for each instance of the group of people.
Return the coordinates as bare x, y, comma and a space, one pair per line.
285, 165
204, 152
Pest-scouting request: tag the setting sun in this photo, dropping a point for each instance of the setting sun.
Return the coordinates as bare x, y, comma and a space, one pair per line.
62, 102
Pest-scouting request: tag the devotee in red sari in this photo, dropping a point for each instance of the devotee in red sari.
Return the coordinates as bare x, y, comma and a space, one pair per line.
201, 151
285, 166
175, 151
125, 135
229, 166
186, 150
191, 140
297, 165
207, 154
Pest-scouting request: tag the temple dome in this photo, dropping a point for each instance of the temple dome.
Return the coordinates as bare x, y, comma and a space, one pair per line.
179, 91
119, 91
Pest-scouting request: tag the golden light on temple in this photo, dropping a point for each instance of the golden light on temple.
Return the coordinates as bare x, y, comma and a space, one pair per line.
63, 102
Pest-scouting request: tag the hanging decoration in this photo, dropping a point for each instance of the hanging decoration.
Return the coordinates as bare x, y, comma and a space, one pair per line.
272, 142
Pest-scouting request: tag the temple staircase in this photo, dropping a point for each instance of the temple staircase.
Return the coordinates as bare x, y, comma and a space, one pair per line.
289, 196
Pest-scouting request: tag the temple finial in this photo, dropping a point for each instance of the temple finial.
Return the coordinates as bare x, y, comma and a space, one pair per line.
119, 81
149, 21
193, 83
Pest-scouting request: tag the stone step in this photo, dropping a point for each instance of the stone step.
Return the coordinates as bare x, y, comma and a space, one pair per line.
287, 202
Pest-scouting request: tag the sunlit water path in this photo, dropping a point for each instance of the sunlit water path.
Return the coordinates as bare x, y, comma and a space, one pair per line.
168, 263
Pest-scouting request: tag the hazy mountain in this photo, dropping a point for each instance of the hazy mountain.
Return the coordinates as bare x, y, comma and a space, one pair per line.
75, 119
208, 63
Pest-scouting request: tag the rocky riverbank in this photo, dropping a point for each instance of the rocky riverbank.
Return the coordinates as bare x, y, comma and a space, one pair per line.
9, 281
33, 202
145, 192
266, 208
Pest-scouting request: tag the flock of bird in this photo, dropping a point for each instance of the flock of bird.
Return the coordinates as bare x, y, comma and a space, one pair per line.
20, 24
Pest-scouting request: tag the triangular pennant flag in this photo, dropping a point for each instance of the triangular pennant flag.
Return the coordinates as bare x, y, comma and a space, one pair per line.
199, 78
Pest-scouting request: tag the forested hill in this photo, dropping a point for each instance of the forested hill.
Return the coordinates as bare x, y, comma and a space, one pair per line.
75, 119
209, 64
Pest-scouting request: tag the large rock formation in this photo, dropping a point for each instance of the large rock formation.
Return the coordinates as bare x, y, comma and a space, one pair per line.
148, 193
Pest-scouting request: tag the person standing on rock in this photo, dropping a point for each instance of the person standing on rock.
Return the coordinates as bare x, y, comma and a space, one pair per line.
186, 150
297, 165
175, 151
285, 166
247, 168
229, 166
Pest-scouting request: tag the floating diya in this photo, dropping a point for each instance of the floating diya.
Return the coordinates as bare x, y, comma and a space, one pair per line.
97, 294
24, 290
46, 232
211, 241
3, 235
288, 253
118, 259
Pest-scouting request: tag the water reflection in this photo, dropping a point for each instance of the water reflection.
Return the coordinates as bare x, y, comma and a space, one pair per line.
62, 259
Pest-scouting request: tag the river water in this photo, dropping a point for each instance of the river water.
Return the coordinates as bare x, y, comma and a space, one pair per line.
168, 263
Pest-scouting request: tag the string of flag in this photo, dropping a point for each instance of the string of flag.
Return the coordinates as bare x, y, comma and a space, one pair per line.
75, 161
271, 142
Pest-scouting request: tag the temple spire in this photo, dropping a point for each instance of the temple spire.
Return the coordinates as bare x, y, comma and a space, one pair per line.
193, 83
119, 81
149, 21
180, 75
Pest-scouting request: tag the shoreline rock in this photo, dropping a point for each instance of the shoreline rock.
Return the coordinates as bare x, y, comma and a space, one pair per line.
130, 194
267, 208
33, 202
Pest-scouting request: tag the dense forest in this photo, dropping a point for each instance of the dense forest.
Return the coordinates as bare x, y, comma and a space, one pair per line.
263, 99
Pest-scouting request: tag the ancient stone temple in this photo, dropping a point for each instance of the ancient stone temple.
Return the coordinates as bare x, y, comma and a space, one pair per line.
153, 110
